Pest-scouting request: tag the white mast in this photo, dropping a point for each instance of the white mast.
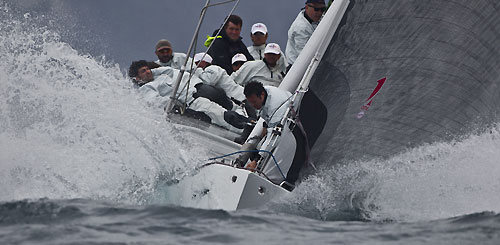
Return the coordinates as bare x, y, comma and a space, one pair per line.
308, 60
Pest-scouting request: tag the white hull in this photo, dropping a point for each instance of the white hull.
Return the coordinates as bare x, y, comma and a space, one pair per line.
224, 187
220, 186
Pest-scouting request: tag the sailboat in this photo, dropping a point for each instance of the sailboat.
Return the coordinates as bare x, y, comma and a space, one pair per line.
221, 183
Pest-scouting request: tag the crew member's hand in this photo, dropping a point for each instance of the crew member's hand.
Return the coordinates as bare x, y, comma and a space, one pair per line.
264, 132
251, 165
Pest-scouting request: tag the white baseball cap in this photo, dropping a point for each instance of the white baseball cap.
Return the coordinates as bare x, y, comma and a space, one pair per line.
272, 48
259, 27
199, 56
238, 57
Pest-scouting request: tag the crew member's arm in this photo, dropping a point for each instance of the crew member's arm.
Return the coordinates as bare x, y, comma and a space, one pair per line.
253, 164
220, 55
243, 75
162, 70
301, 39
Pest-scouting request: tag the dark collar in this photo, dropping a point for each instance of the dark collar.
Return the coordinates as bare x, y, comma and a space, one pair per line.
307, 17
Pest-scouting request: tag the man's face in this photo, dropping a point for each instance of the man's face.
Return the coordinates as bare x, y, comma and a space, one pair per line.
202, 64
237, 65
144, 74
256, 101
233, 31
315, 11
164, 54
272, 59
258, 38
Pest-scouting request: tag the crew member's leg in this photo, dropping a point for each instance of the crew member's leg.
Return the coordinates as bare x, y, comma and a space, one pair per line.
214, 94
214, 111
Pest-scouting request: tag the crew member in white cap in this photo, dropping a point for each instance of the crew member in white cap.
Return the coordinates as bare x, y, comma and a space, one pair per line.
266, 71
216, 76
156, 87
259, 35
202, 60
303, 27
167, 57
237, 61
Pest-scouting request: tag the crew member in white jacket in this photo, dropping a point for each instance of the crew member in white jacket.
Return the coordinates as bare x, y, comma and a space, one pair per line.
167, 57
156, 87
217, 76
237, 61
266, 71
259, 36
273, 103
303, 27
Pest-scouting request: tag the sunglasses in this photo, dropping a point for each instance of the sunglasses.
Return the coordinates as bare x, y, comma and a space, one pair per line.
322, 9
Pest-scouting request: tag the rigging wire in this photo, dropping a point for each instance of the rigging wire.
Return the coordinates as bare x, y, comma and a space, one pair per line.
192, 71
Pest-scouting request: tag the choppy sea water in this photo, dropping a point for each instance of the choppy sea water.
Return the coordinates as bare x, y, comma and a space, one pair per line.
82, 161
81, 221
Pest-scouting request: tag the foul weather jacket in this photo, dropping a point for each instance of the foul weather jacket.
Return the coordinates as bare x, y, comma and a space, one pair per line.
299, 33
223, 49
216, 76
177, 61
275, 105
158, 92
258, 54
259, 71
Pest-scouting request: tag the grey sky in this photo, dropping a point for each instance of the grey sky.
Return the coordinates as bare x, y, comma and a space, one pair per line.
126, 30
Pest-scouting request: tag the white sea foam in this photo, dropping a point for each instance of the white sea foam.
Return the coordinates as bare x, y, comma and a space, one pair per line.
72, 126
434, 181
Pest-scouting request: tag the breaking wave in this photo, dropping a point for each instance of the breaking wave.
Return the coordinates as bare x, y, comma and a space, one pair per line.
72, 125
434, 181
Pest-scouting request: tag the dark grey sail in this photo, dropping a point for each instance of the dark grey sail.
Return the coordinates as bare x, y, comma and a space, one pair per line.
442, 63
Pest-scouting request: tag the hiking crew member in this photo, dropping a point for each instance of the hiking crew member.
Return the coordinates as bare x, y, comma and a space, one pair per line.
224, 48
303, 27
237, 61
156, 87
166, 56
259, 36
216, 76
272, 104
266, 71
